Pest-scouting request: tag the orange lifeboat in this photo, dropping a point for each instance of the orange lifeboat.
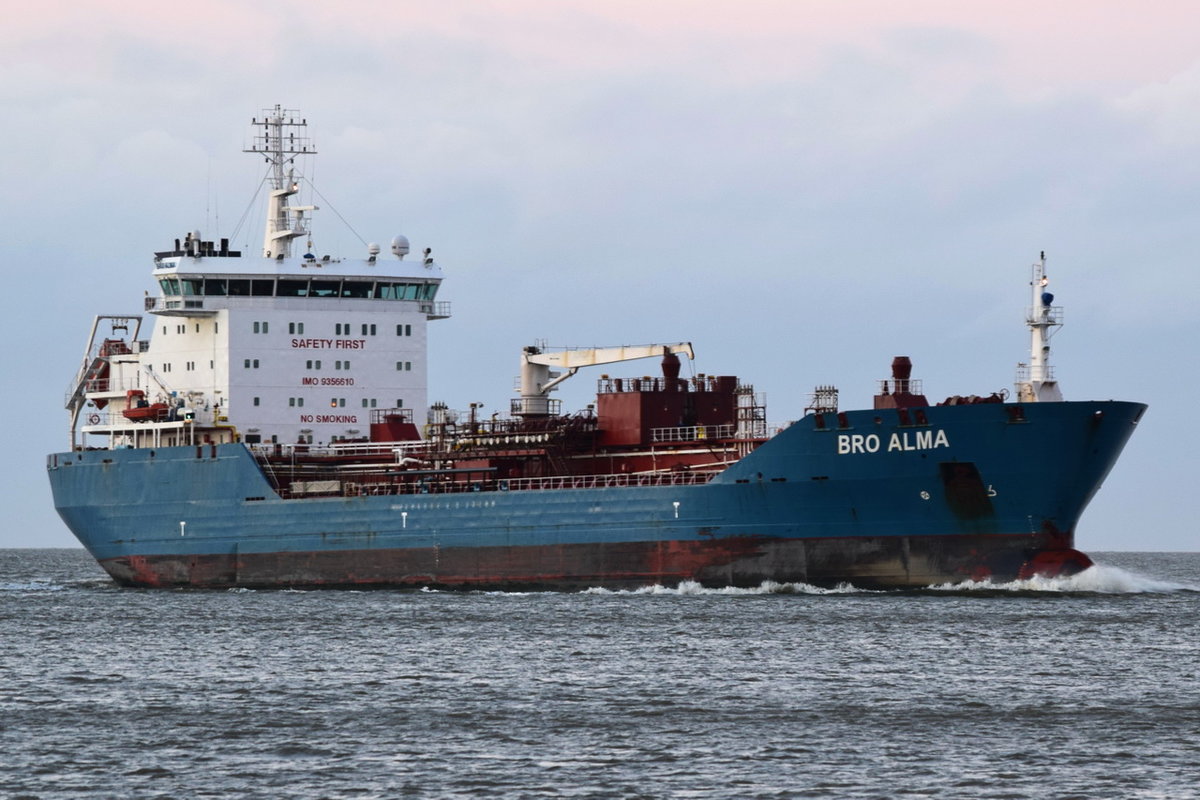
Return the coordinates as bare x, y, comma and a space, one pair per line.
141, 411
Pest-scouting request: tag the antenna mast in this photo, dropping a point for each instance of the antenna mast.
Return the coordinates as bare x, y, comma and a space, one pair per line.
1035, 380
279, 137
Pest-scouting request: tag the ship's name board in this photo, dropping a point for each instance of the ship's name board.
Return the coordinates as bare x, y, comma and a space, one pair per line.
330, 344
849, 443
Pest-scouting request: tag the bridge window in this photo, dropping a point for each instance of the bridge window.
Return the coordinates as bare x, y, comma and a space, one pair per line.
292, 288
325, 289
239, 287
262, 288
214, 287
356, 289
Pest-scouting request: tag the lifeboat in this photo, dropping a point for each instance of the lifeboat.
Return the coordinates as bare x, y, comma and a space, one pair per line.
150, 413
141, 411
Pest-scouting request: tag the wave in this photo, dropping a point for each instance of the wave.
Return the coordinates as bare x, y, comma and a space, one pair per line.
1096, 579
32, 586
766, 587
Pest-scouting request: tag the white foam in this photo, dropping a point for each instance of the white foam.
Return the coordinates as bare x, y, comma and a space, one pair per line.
34, 585
1099, 578
766, 587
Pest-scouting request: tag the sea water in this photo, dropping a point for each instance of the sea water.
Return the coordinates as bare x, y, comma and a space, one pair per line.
1087, 687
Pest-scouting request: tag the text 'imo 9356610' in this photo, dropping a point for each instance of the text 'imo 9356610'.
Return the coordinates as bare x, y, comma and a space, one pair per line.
270, 427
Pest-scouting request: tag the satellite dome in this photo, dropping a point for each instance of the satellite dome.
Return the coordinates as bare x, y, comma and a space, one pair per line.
400, 246
373, 249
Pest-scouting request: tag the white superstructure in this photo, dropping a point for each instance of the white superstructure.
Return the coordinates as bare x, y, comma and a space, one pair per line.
279, 346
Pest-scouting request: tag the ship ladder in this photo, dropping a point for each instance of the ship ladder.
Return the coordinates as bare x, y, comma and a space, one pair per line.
268, 470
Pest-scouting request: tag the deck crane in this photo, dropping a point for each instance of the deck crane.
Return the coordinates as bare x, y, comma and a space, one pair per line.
537, 379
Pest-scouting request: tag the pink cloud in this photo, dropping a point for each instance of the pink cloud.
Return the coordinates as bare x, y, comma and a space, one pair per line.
1066, 42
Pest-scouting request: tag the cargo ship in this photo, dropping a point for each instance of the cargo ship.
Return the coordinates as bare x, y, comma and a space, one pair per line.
264, 422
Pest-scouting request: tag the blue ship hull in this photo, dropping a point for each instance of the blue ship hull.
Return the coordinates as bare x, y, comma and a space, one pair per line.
974, 491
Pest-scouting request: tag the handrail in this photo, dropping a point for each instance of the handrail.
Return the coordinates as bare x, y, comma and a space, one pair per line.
692, 433
607, 481
352, 484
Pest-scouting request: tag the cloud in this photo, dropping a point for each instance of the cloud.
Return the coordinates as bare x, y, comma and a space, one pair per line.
1171, 108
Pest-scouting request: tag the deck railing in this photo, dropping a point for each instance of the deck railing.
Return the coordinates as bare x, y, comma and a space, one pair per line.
692, 433
351, 484
610, 481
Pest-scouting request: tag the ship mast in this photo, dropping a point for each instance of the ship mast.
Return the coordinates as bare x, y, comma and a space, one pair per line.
281, 137
1035, 380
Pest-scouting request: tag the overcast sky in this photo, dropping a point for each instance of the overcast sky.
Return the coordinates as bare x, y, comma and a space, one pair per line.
802, 189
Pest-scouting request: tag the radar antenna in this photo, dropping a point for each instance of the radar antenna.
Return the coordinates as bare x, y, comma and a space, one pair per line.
279, 137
